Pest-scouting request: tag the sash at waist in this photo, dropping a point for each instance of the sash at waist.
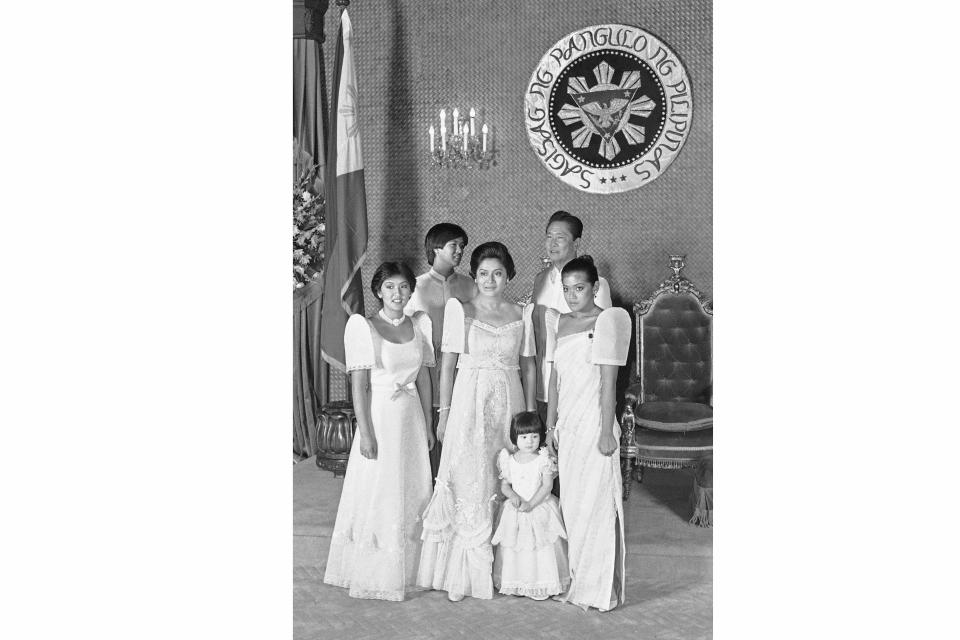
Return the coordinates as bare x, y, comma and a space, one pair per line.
488, 365
398, 388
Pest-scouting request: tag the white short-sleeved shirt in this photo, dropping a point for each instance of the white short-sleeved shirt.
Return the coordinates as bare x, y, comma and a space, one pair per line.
430, 295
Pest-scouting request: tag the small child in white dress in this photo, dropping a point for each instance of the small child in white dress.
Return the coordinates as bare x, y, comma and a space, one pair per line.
531, 553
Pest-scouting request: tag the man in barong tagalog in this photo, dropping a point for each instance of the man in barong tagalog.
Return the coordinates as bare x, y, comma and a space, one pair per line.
443, 246
562, 243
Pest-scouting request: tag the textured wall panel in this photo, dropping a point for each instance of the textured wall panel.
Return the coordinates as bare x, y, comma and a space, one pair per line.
415, 57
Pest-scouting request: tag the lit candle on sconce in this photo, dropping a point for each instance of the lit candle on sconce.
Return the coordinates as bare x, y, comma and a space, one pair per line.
443, 130
467, 148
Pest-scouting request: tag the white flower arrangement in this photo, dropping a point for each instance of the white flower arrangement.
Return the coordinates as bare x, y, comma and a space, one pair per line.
309, 230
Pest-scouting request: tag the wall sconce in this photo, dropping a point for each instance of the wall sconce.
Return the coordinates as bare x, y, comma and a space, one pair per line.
462, 148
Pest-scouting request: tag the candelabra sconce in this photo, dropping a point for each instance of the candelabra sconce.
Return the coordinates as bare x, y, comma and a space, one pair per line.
461, 148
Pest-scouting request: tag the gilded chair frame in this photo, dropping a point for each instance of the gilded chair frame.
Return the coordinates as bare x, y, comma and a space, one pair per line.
676, 285
636, 393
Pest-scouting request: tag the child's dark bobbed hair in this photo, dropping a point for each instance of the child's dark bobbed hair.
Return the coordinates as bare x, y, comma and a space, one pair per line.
525, 422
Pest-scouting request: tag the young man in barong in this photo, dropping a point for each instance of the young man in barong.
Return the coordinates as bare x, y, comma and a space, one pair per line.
443, 246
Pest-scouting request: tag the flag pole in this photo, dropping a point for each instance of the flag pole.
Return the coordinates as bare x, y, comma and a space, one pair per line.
346, 238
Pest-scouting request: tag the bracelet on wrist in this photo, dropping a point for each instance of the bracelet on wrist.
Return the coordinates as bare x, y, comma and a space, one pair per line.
442, 409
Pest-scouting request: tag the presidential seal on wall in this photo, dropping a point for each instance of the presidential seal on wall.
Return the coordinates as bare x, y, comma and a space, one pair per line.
608, 108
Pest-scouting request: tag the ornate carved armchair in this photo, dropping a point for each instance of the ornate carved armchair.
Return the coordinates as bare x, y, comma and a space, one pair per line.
668, 415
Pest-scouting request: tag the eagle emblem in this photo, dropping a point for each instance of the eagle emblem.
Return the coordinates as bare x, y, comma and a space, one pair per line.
604, 110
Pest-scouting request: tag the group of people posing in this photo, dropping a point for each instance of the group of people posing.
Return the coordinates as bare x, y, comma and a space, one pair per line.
453, 381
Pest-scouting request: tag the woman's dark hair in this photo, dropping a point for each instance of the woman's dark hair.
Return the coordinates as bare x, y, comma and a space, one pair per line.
492, 250
583, 264
525, 422
573, 223
389, 270
439, 235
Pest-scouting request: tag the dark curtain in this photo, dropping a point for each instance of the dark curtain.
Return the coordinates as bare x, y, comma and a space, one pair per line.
307, 106
311, 384
310, 372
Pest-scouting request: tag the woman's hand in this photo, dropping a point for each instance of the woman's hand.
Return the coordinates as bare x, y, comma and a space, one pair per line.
524, 507
552, 442
368, 445
431, 441
442, 425
607, 444
515, 500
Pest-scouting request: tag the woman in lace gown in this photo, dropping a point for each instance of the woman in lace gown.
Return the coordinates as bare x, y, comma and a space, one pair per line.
486, 343
376, 538
587, 346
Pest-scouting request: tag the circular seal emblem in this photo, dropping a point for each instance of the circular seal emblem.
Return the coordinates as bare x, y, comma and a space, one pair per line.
608, 108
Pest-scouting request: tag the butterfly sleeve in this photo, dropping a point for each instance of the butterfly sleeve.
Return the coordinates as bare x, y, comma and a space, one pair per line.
358, 344
546, 463
425, 327
503, 464
453, 327
611, 337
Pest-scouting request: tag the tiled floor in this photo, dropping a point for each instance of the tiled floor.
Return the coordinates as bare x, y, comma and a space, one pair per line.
669, 580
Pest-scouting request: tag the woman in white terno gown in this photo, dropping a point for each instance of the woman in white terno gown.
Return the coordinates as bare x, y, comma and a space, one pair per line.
487, 345
587, 346
376, 539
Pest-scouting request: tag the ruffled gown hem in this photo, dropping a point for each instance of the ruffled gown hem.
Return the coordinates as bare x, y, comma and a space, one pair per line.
448, 575
541, 590
564, 597
370, 594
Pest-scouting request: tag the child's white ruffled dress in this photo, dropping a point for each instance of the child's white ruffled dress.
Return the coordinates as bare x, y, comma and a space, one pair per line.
531, 554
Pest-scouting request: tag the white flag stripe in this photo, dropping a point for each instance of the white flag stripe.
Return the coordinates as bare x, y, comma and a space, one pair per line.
349, 156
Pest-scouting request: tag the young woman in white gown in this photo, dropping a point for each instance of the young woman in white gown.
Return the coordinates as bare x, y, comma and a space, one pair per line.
587, 346
376, 539
486, 344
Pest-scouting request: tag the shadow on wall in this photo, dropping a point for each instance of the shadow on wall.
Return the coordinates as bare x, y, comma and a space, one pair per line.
402, 180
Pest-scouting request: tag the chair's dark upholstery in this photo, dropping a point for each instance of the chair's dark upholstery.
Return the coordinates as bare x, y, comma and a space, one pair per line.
676, 350
668, 417
673, 416
660, 448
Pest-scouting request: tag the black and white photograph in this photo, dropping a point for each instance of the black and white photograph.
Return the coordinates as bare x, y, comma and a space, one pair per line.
503, 309
511, 224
